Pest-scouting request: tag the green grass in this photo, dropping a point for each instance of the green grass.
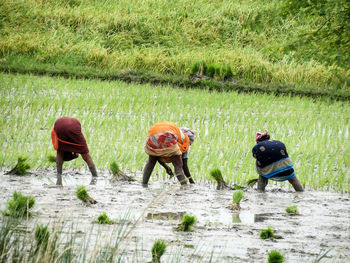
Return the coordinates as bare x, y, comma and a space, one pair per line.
240, 40
116, 116
19, 206
237, 196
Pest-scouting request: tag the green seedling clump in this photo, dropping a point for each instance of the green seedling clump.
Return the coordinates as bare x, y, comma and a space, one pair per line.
217, 175
21, 168
104, 219
236, 199
51, 158
265, 234
118, 174
20, 205
292, 209
83, 195
252, 182
187, 223
158, 250
42, 235
275, 257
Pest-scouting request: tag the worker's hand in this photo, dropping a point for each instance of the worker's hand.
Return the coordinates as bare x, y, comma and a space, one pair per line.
169, 171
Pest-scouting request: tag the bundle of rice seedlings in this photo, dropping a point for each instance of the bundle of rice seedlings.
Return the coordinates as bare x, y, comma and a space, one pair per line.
267, 233
42, 235
292, 209
187, 223
236, 199
21, 168
118, 174
158, 250
83, 195
104, 219
19, 206
252, 182
275, 257
217, 175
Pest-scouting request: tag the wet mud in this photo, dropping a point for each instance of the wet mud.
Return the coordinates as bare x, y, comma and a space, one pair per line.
323, 222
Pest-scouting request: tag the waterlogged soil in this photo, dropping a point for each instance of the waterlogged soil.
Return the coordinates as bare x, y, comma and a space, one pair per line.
222, 235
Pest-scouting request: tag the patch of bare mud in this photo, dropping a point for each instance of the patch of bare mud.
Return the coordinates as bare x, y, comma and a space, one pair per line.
323, 223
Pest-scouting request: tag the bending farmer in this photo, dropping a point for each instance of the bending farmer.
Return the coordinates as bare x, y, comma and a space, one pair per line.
167, 143
273, 162
69, 142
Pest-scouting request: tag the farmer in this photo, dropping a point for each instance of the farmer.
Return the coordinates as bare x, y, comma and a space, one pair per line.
69, 142
273, 162
167, 143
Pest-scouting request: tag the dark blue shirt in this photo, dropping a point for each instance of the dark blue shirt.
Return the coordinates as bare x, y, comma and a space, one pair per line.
268, 152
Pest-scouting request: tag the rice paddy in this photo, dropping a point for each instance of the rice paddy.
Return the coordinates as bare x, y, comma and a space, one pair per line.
115, 118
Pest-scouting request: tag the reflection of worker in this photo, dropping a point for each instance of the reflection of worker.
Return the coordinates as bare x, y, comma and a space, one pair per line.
69, 142
168, 143
273, 162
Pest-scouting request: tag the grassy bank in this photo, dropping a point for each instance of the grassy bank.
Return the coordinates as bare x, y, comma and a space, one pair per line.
115, 117
170, 38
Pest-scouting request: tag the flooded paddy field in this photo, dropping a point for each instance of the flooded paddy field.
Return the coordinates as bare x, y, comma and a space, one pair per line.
220, 234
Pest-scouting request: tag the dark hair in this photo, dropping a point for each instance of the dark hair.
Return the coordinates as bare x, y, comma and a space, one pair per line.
264, 138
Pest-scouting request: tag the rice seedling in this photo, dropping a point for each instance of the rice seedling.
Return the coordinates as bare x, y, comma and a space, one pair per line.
266, 233
237, 197
187, 223
83, 195
42, 235
21, 168
293, 209
158, 250
51, 158
19, 206
275, 257
104, 219
118, 174
217, 175
252, 182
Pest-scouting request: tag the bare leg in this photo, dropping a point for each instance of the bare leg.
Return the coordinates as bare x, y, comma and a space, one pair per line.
147, 171
262, 182
187, 171
59, 164
87, 158
296, 184
177, 162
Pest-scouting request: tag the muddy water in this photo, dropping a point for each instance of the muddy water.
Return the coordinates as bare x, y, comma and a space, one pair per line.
323, 223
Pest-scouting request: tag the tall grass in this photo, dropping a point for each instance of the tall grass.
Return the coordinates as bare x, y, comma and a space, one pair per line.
116, 116
244, 40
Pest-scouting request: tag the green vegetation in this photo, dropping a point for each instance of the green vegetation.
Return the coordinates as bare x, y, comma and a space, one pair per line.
158, 250
104, 219
51, 158
292, 209
42, 235
292, 47
19, 206
21, 168
187, 223
217, 175
237, 196
275, 257
118, 174
267, 233
83, 195
104, 107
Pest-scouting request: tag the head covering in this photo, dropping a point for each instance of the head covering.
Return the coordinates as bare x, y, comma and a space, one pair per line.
259, 135
190, 133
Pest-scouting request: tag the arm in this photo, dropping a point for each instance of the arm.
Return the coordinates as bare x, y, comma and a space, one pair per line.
166, 167
187, 171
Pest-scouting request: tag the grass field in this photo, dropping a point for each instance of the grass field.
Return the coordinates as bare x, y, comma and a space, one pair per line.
166, 37
115, 118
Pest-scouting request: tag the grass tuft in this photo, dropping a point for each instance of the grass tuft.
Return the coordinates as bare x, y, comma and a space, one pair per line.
83, 195
275, 257
187, 223
158, 250
293, 209
51, 158
19, 206
118, 175
104, 219
237, 196
42, 235
265, 234
21, 168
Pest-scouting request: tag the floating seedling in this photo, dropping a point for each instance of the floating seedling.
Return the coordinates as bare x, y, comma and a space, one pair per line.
268, 233
83, 195
237, 197
21, 168
118, 174
187, 223
42, 235
104, 219
293, 210
252, 182
275, 257
158, 250
20, 205
217, 175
